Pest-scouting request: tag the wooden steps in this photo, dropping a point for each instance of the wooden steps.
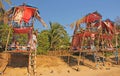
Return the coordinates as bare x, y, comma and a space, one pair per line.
32, 64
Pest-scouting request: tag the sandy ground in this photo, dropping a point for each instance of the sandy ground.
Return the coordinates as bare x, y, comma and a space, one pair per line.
63, 71
56, 66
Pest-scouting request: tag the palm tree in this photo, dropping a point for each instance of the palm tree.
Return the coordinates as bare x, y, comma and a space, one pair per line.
43, 42
2, 11
54, 38
4, 33
1, 3
56, 34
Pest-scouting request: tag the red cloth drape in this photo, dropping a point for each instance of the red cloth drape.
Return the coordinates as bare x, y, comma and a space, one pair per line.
28, 13
22, 30
23, 13
92, 17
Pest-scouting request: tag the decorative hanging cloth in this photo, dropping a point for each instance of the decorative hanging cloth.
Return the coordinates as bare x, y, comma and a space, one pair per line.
23, 13
22, 30
18, 15
92, 17
28, 13
110, 26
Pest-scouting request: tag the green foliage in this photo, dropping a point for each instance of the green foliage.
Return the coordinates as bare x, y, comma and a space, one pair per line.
1, 3
21, 38
1, 16
43, 42
57, 34
40, 51
107, 54
4, 29
55, 38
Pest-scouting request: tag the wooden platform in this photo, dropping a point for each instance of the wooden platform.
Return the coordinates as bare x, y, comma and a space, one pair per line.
18, 51
90, 51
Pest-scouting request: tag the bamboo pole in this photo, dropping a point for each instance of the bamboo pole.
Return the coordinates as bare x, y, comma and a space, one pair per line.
7, 39
81, 49
116, 39
35, 53
29, 63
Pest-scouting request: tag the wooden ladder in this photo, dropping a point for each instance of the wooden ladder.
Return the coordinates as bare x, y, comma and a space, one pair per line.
98, 61
32, 64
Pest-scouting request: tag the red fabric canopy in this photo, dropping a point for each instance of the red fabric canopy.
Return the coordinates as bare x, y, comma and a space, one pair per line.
87, 34
75, 40
109, 25
23, 13
92, 17
28, 13
22, 30
100, 25
107, 37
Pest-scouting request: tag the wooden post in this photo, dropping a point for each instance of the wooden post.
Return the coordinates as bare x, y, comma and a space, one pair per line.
7, 39
32, 63
116, 52
79, 58
35, 62
29, 64
116, 35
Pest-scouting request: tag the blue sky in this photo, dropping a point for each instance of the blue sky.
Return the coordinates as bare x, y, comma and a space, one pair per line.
67, 11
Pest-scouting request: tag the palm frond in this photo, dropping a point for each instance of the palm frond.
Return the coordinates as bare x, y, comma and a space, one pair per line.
40, 19
72, 24
8, 1
1, 4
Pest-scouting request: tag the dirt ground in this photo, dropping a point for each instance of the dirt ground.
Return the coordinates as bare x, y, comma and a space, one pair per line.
56, 66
